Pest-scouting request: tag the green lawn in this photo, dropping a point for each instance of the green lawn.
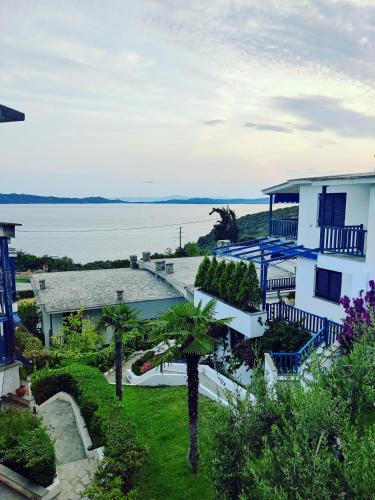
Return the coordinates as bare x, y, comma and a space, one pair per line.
160, 414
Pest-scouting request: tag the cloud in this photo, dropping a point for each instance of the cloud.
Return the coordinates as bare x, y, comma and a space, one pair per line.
213, 123
268, 127
326, 113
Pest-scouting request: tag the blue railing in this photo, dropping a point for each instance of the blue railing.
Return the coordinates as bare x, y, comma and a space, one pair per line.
349, 240
278, 284
322, 330
285, 228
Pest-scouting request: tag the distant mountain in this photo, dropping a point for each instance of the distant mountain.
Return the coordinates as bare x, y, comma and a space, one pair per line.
14, 198
213, 201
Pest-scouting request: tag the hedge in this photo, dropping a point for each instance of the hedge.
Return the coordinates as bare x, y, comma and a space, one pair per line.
26, 447
103, 415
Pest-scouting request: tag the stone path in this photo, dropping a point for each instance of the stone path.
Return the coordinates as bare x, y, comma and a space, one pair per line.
9, 494
111, 378
58, 416
75, 471
75, 477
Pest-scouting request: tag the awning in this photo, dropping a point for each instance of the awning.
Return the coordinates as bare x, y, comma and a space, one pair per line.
265, 251
286, 198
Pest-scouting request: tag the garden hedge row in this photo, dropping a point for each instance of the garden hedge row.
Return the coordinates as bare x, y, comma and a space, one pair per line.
26, 447
103, 414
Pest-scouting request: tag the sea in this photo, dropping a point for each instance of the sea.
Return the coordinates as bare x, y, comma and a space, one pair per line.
109, 231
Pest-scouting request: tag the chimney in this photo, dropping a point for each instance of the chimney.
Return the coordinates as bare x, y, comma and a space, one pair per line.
133, 261
120, 295
146, 256
42, 284
160, 265
169, 267
222, 243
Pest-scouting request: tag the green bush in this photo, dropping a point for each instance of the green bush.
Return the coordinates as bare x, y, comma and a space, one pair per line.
104, 417
201, 276
299, 443
26, 447
31, 318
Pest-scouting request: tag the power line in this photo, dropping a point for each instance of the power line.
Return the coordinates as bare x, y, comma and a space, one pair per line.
109, 229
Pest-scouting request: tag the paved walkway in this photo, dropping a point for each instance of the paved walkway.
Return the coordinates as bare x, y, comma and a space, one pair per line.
58, 416
111, 376
9, 494
75, 471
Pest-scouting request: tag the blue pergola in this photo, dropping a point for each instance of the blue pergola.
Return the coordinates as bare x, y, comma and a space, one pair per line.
265, 252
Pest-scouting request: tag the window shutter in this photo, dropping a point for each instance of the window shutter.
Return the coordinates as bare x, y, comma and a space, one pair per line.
334, 210
322, 282
335, 286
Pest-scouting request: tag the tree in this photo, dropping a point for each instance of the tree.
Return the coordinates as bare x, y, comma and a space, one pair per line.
249, 293
200, 279
30, 317
122, 319
210, 276
192, 249
234, 283
226, 228
230, 269
220, 270
185, 329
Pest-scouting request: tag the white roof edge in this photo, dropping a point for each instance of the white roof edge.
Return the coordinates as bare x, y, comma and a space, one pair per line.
368, 177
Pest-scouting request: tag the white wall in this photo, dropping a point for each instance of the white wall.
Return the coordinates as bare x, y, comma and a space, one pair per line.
355, 277
357, 210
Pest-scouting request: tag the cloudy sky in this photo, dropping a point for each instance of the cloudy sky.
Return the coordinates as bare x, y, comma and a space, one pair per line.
189, 97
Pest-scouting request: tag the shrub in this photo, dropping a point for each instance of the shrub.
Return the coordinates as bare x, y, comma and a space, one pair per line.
105, 420
211, 275
297, 443
25, 294
30, 317
26, 447
234, 284
249, 294
220, 270
200, 279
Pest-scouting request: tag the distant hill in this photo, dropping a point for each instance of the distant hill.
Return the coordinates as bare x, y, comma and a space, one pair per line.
14, 198
252, 226
213, 201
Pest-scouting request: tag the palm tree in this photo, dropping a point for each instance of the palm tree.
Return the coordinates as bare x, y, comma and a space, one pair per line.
185, 329
121, 319
226, 227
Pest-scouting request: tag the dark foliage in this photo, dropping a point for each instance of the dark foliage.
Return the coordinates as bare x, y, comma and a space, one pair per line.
26, 447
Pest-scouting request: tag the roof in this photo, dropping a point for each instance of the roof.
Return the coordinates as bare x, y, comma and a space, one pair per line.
72, 290
293, 185
186, 268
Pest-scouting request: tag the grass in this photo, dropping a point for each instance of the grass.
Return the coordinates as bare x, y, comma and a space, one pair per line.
160, 415
22, 280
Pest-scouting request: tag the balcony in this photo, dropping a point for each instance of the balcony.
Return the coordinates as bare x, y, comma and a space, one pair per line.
284, 228
347, 240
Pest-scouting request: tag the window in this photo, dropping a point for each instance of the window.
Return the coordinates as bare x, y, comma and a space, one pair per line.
334, 210
328, 284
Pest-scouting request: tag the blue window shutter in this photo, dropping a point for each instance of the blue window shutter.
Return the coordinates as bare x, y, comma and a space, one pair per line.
328, 284
339, 206
334, 210
335, 286
321, 283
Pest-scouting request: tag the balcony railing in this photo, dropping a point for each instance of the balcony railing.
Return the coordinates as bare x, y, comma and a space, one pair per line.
279, 284
322, 330
285, 228
349, 240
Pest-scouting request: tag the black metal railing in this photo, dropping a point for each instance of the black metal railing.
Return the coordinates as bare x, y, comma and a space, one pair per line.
285, 228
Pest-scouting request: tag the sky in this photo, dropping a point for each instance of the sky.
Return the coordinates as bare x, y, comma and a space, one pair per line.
175, 97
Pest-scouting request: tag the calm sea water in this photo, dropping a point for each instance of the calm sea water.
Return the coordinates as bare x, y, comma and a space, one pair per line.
99, 232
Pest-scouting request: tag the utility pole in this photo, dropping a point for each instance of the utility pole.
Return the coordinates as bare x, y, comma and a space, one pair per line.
180, 237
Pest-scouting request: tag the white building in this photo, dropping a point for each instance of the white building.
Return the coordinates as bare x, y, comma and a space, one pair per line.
337, 220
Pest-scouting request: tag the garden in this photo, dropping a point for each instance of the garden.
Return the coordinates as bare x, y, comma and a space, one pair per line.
236, 284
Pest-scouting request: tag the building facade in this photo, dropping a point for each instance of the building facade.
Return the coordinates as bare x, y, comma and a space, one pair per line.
337, 222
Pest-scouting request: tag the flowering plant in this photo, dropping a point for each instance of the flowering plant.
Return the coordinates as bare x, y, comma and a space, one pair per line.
359, 313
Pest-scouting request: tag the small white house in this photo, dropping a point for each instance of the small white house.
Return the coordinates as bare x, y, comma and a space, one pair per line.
337, 221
